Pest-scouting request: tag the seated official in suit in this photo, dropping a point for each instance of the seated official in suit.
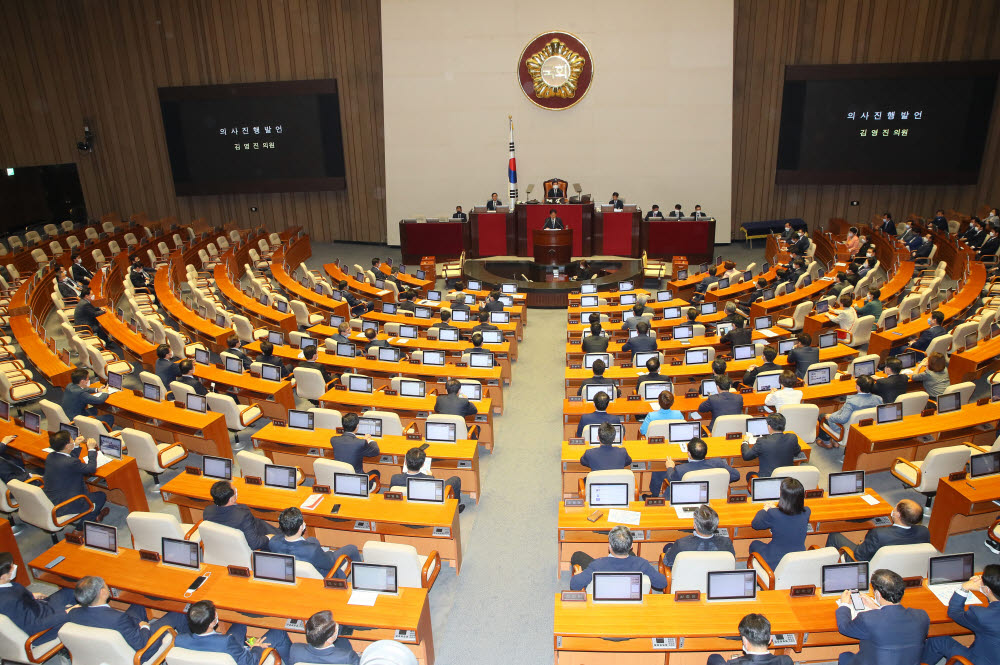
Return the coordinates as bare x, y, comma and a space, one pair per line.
598, 368
86, 312
600, 415
595, 342
893, 384
92, 610
909, 233
788, 233
377, 270
888, 226
740, 335
620, 560
357, 305
786, 520
292, 541
936, 328
872, 306
984, 622
906, 529
653, 374
79, 272
697, 213
494, 202
555, 192
137, 275
267, 357
493, 302
452, 403
774, 449
31, 612
654, 213
225, 511
323, 642
413, 462
65, 476
343, 334
445, 319
553, 223
725, 403
769, 354
638, 314
406, 298
733, 316
309, 354
477, 344
991, 245
352, 449
974, 235
664, 400
616, 202
484, 322
235, 347
11, 466
641, 342
372, 343
697, 451
863, 399
887, 632
79, 399
165, 367
706, 537
459, 214
202, 621
940, 222
755, 632
803, 354
676, 212
923, 248
606, 456
786, 394
188, 378
67, 287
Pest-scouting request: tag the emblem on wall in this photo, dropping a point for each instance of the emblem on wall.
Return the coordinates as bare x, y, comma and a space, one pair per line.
555, 70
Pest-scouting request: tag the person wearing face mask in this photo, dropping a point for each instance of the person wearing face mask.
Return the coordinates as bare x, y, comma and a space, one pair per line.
888, 633
31, 612
86, 312
940, 222
990, 246
908, 234
863, 249
853, 243
924, 249
992, 217
936, 329
984, 622
872, 306
974, 235
888, 226
867, 265
788, 233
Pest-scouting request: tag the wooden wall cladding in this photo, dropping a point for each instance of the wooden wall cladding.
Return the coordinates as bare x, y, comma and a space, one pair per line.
770, 34
67, 60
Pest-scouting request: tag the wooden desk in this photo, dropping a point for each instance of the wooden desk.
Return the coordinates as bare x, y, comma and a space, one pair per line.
285, 261
259, 605
672, 347
616, 233
301, 448
445, 240
363, 289
740, 289
776, 305
426, 526
961, 506
494, 233
203, 433
8, 543
260, 315
119, 479
201, 330
274, 398
976, 362
421, 286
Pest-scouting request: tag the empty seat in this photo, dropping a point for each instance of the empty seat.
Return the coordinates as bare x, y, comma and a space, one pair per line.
34, 508
794, 569
224, 546
149, 529
412, 569
690, 570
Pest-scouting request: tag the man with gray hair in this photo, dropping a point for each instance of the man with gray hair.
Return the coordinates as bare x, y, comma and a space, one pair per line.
755, 630
92, 610
706, 537
620, 560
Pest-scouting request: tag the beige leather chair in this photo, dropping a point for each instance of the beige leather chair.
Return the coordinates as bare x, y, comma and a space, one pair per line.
326, 418
608, 476
391, 424
905, 560
807, 475
798, 318
831, 365
913, 403
224, 546
661, 428
34, 508
923, 475
152, 457
149, 377
149, 529
733, 423
861, 359
965, 389
690, 570
718, 481
302, 316
19, 647
252, 464
462, 428
309, 383
54, 415
103, 646
861, 332
856, 417
324, 470
794, 569
412, 570
238, 417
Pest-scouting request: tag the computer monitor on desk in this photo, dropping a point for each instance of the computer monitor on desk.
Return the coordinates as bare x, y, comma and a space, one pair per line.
220, 468
359, 384
374, 577
32, 421
370, 427
196, 403
471, 391
617, 587
451, 335
271, 567
441, 432
350, 484
764, 383
608, 494
412, 388
696, 356
595, 439
682, 433
949, 402
103, 537
435, 358
180, 553
683, 332
201, 356
841, 577
765, 489
986, 464
671, 312
589, 358
72, 430
690, 493
492, 336
732, 585
951, 568
281, 477
846, 483
388, 354
425, 490
110, 446
651, 390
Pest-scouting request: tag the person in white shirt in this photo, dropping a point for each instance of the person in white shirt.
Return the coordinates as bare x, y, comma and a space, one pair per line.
846, 316
786, 394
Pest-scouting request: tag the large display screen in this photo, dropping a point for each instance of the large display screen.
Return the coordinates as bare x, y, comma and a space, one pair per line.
257, 137
914, 123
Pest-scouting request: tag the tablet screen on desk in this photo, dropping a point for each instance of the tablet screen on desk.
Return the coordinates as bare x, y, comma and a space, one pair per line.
985, 464
584, 288
743, 352
708, 387
152, 391
197, 403
359, 384
451, 334
627, 299
888, 413
481, 360
412, 388
500, 317
951, 568
593, 431
762, 323
841, 577
373, 577
5, 407
434, 296
335, 321
183, 553
425, 313
664, 296
671, 312
589, 358
765, 489
274, 567
32, 421
276, 337
588, 301
388, 308
283, 477
786, 346
642, 357
350, 484
723, 284
270, 372
617, 587
111, 446
234, 365
608, 494
201, 356
73, 430
651, 390
769, 294
409, 332
890, 322
306, 342
732, 585
475, 285
688, 492
908, 359
433, 358
471, 391
440, 432
100, 537
626, 286
389, 354
370, 427
864, 368
300, 419
345, 350
492, 337
683, 332
683, 432
220, 468
847, 482
369, 325
696, 356
823, 306
709, 308
828, 340
682, 275
949, 402
818, 377
220, 320
427, 490
757, 426
508, 288
724, 329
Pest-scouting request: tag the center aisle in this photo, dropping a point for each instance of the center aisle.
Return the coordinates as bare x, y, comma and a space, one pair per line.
502, 609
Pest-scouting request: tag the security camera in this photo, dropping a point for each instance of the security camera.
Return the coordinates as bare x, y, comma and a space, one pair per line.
86, 145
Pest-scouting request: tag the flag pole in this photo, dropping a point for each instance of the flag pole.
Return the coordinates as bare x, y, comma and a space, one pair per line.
512, 165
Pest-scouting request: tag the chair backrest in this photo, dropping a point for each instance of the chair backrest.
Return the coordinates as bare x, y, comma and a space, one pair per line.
113, 246
12, 641
718, 481
149, 377
149, 529
143, 448
131, 240
242, 328
391, 424
710, 349
797, 568
801, 419
180, 391
940, 344
234, 236
109, 227
326, 418
906, 560
54, 415
801, 312
861, 359
90, 428
226, 405
887, 312
723, 425
804, 473
179, 656
461, 428
300, 311
960, 332
831, 365
324, 470
67, 225
55, 248
408, 563
690, 570
309, 383
611, 476
939, 463
224, 546
862, 330
251, 464
965, 389
306, 570
661, 427
913, 403
35, 508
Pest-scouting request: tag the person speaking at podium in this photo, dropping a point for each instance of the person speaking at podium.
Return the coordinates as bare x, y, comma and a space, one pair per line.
616, 202
553, 223
493, 203
555, 192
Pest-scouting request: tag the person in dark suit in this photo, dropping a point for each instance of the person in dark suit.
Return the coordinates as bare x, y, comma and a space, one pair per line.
309, 356
836, 421
225, 511
894, 384
984, 622
652, 374
697, 213
357, 305
598, 368
494, 203
974, 235
698, 460
677, 213
755, 631
909, 233
202, 620
990, 246
555, 192
79, 272
553, 223
940, 222
915, 241
801, 245
776, 448
323, 642
484, 322
803, 354
638, 314
188, 378
406, 301
352, 449
413, 462
888, 633
936, 328
654, 213
493, 302
477, 344
235, 347
137, 275
706, 537
739, 335
643, 341
85, 314
620, 559
32, 613
67, 287
451, 403
343, 334
292, 541
377, 270
165, 367
789, 233
906, 529
79, 399
769, 353
616, 202
459, 214
599, 415
606, 456
888, 226
267, 357
11, 467
445, 321
923, 250
65, 477
724, 403
459, 302
595, 342
787, 521
373, 343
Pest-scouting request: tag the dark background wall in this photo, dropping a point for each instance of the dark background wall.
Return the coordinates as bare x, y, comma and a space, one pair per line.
66, 60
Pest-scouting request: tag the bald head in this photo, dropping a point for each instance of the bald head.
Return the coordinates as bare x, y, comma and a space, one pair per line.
910, 513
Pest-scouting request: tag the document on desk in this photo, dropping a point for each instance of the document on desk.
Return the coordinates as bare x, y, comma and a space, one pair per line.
103, 459
400, 340
311, 502
693, 415
768, 333
869, 499
619, 516
359, 597
943, 592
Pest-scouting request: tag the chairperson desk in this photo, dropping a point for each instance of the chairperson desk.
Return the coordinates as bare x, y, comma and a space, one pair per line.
975, 362
965, 298
876, 447
260, 315
203, 433
577, 217
649, 457
363, 289
260, 605
443, 240
616, 233
426, 526
119, 479
963, 505
666, 239
414, 409
201, 330
659, 525
301, 448
273, 397
291, 256
494, 233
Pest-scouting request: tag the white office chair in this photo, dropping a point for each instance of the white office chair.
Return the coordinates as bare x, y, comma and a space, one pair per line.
608, 476
391, 424
152, 457
690, 570
831, 365
34, 508
905, 560
253, 463
180, 656
923, 475
20, 647
861, 332
718, 481
856, 417
964, 389
326, 418
794, 569
302, 316
462, 428
91, 428
181, 391
309, 383
732, 423
412, 570
661, 428
798, 318
103, 646
304, 569
149, 529
54, 415
149, 377
804, 473
913, 403
238, 417
861, 359
224, 546
324, 470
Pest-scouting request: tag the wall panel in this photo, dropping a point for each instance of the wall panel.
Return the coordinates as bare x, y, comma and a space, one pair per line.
67, 60
770, 34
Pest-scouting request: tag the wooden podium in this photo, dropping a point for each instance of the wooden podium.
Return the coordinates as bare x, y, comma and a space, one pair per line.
552, 248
